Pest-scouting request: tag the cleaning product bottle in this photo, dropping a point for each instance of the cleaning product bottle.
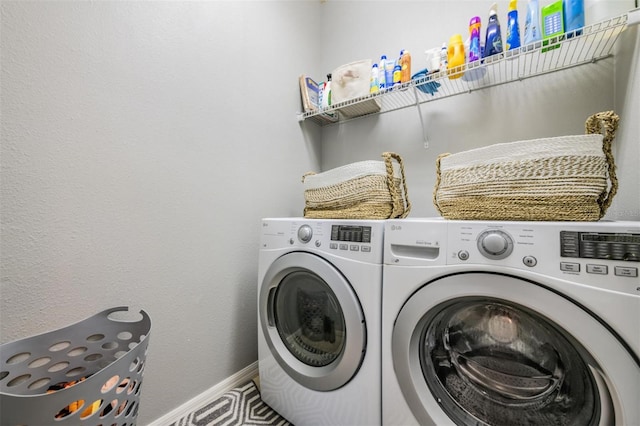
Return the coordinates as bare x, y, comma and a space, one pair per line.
405, 66
532, 31
397, 72
388, 73
493, 40
455, 56
573, 16
443, 57
513, 28
381, 72
326, 93
374, 81
474, 39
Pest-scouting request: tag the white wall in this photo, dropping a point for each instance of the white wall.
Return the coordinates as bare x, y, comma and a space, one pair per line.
141, 144
551, 105
143, 141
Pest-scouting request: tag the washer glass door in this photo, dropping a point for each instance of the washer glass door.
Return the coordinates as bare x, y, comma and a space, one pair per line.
312, 321
492, 349
308, 318
501, 363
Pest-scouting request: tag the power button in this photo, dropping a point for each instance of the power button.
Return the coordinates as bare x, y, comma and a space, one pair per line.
463, 255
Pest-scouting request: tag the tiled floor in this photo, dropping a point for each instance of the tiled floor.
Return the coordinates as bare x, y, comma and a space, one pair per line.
241, 406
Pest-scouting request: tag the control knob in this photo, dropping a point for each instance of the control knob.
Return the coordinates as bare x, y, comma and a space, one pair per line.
305, 233
495, 244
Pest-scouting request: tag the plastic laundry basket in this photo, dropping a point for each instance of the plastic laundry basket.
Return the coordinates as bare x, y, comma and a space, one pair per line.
87, 373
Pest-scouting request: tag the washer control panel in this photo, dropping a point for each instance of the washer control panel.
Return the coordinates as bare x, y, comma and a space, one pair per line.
600, 245
601, 253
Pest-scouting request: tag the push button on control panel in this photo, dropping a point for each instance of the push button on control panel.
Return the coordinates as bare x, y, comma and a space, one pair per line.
530, 261
597, 269
626, 271
569, 267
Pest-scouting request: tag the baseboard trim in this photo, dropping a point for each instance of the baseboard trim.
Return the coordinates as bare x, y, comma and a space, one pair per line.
211, 394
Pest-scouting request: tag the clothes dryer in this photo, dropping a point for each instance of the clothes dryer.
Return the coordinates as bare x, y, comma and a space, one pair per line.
494, 323
319, 309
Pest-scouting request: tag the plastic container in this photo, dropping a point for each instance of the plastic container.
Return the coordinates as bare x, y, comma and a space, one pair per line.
381, 73
532, 32
552, 20
513, 27
326, 93
443, 56
493, 40
455, 56
433, 59
475, 52
88, 373
405, 66
374, 81
573, 11
388, 73
397, 75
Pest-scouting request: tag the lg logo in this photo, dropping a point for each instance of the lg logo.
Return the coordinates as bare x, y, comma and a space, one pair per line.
396, 228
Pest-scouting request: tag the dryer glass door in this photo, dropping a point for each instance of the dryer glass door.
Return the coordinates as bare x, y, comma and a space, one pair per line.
312, 321
308, 318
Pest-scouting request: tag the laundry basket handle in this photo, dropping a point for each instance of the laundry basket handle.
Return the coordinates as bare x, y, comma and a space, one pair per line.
605, 123
438, 178
401, 205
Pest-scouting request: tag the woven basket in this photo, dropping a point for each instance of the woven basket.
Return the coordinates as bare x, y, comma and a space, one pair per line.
362, 190
554, 179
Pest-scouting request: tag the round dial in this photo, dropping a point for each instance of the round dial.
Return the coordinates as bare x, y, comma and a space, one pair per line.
305, 233
495, 244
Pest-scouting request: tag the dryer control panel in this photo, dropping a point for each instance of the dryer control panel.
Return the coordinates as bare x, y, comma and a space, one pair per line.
353, 239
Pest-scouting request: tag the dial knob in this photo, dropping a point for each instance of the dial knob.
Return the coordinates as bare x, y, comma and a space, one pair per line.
305, 233
495, 244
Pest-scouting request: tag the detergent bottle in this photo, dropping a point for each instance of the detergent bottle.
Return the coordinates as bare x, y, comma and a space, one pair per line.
474, 39
532, 30
455, 56
493, 40
513, 27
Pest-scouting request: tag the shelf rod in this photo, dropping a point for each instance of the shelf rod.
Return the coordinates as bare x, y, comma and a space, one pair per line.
424, 129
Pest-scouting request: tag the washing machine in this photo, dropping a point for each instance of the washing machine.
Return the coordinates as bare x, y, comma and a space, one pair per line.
319, 309
511, 323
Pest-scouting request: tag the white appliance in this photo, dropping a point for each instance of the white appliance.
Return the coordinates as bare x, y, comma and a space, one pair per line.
512, 323
319, 309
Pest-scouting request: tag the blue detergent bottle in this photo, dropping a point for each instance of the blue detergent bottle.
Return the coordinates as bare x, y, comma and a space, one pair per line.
573, 11
513, 27
532, 31
493, 40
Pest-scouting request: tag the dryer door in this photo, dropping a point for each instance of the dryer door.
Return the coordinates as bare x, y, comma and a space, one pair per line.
481, 348
312, 321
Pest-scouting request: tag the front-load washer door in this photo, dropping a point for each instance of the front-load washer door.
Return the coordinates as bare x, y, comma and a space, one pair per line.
491, 349
312, 321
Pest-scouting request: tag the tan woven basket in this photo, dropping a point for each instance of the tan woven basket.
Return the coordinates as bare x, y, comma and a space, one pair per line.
362, 190
554, 179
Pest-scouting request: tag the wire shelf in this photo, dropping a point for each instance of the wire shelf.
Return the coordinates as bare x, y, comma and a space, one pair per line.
586, 45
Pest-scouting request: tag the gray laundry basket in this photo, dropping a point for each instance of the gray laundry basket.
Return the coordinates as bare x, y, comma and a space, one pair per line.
88, 373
